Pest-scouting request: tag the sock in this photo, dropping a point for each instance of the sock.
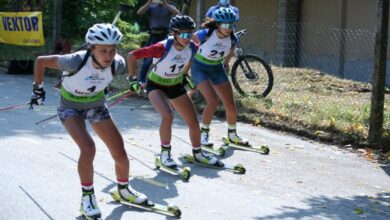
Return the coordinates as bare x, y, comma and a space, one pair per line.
205, 126
87, 188
196, 150
232, 127
165, 147
123, 184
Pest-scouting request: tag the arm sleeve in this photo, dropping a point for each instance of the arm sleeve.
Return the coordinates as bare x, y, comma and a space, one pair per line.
235, 41
235, 9
70, 62
201, 34
210, 11
153, 51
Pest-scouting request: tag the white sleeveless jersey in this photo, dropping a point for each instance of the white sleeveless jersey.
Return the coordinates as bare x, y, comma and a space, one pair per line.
215, 48
172, 65
89, 80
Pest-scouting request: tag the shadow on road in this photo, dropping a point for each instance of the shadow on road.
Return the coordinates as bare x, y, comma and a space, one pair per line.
367, 207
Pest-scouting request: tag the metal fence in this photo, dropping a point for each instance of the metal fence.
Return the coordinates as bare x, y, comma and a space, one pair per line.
346, 53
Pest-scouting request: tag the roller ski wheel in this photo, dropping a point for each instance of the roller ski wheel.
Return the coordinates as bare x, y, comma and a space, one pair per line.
240, 169
175, 211
184, 173
220, 151
263, 149
149, 206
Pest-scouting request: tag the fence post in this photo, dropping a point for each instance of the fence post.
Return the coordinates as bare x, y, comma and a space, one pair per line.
375, 132
200, 12
288, 32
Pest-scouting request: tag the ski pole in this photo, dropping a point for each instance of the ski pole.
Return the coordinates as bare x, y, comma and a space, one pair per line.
139, 106
46, 119
14, 106
118, 95
120, 99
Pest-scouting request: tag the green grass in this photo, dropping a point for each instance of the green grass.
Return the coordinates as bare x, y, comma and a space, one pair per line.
316, 105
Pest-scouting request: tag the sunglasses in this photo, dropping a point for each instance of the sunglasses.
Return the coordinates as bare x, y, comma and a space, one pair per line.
227, 25
185, 35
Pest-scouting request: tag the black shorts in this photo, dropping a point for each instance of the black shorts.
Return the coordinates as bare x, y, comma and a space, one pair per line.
170, 91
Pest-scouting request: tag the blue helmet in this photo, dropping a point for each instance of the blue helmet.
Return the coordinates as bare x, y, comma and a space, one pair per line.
224, 15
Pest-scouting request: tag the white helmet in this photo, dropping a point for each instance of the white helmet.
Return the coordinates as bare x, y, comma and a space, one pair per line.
103, 34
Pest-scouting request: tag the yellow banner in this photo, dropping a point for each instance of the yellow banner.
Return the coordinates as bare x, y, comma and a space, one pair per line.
21, 28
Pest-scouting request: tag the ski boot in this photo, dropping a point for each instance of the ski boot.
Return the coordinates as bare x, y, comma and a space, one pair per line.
89, 208
144, 203
130, 195
233, 140
165, 158
202, 159
208, 146
204, 137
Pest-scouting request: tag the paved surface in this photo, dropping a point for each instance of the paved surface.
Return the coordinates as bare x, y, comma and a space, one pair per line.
298, 180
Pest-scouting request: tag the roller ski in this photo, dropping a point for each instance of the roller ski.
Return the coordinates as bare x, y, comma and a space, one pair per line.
184, 173
148, 205
199, 158
208, 146
235, 141
220, 151
89, 208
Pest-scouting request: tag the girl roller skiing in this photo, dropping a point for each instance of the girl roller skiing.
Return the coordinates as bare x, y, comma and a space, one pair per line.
216, 48
86, 75
165, 86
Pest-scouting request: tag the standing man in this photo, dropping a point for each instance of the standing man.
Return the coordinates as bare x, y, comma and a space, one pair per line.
160, 14
222, 3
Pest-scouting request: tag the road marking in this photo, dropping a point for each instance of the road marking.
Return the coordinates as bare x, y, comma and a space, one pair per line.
31, 141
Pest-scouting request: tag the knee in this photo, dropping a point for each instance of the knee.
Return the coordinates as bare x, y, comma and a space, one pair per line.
121, 159
231, 107
193, 124
212, 103
167, 118
88, 151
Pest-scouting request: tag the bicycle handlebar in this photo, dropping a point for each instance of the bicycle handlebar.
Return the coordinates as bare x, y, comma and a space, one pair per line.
240, 33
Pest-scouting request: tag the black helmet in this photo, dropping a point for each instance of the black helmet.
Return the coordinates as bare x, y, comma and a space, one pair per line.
181, 22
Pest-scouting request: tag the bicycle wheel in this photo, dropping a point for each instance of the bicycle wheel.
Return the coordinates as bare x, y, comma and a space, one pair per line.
252, 76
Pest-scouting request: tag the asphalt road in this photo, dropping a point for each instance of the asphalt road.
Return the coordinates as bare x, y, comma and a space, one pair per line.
299, 179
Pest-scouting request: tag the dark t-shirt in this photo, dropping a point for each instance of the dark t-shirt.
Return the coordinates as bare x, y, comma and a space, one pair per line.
159, 16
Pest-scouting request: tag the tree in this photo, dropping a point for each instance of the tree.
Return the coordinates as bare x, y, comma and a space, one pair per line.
375, 133
186, 7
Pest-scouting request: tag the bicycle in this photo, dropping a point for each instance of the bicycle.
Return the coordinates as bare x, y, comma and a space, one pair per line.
250, 74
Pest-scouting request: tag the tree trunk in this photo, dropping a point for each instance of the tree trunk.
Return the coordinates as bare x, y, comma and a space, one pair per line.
186, 7
379, 77
57, 22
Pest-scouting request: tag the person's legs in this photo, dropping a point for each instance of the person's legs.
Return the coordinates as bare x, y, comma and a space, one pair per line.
160, 103
186, 109
207, 91
110, 135
225, 92
77, 130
